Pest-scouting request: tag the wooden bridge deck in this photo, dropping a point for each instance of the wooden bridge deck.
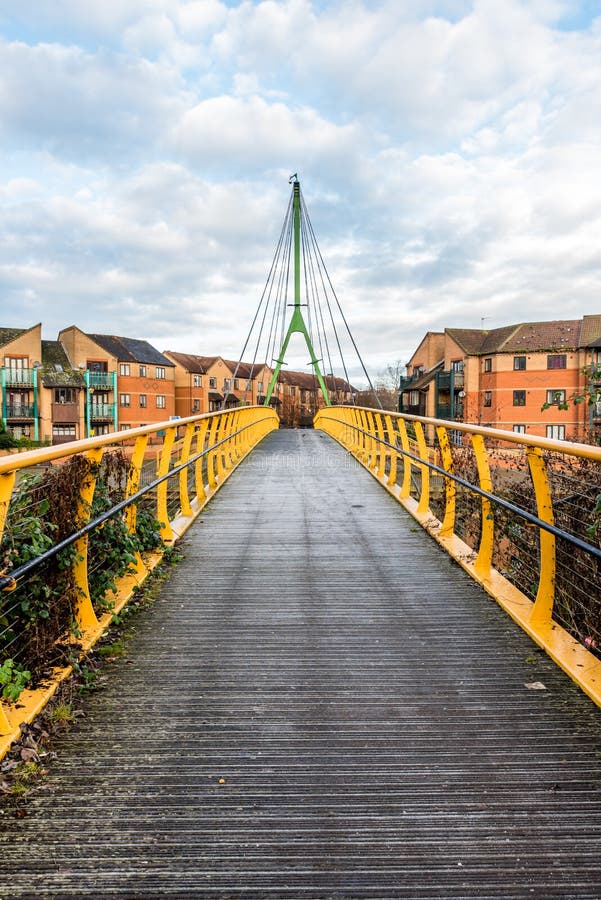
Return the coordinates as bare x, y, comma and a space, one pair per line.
319, 705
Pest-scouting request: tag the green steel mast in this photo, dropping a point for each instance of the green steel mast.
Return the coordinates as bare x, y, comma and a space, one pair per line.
297, 322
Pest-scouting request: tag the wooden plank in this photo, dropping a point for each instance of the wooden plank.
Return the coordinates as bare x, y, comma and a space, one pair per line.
319, 705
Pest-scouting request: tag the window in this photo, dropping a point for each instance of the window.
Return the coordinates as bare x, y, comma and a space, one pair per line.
65, 395
519, 398
63, 430
236, 384
248, 386
488, 364
197, 380
195, 406
142, 371
161, 404
519, 429
260, 387
16, 362
212, 382
124, 427
557, 432
556, 361
97, 365
227, 384
457, 365
414, 398
160, 371
487, 398
124, 400
519, 363
292, 390
556, 398
124, 369
278, 388
143, 401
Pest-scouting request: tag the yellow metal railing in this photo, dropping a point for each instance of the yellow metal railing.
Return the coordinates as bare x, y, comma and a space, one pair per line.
521, 514
197, 455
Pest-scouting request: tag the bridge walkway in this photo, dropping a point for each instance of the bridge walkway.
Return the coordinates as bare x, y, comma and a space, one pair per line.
318, 705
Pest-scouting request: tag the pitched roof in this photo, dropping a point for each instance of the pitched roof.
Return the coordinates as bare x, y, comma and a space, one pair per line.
56, 368
131, 349
558, 335
306, 381
189, 362
561, 334
244, 369
469, 339
9, 334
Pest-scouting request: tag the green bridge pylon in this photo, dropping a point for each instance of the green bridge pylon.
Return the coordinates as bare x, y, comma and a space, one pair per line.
297, 322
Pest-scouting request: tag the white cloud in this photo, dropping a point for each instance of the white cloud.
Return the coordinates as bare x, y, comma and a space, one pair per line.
248, 133
448, 152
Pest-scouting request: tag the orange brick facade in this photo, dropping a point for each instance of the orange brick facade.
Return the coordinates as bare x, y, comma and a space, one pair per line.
517, 378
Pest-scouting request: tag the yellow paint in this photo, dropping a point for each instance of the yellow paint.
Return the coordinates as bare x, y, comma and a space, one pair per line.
535, 618
448, 525
84, 611
542, 612
487, 522
257, 422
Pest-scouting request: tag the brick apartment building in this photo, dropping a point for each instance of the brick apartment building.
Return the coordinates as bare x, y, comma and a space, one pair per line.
209, 383
504, 377
81, 385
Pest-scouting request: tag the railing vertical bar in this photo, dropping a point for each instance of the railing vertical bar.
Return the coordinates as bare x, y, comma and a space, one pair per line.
424, 497
483, 562
84, 611
7, 483
542, 612
406, 485
393, 457
448, 524
184, 495
162, 489
199, 483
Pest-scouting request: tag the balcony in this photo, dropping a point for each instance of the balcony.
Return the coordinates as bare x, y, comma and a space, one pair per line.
102, 412
66, 413
450, 381
19, 377
20, 411
100, 381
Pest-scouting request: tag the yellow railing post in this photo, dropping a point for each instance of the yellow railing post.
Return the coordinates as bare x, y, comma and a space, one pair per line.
407, 463
162, 488
211, 479
133, 485
184, 496
542, 612
84, 611
448, 524
424, 497
227, 447
219, 435
7, 482
133, 480
487, 522
199, 484
392, 454
379, 417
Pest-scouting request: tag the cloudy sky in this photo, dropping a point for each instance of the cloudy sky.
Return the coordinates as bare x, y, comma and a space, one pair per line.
449, 153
